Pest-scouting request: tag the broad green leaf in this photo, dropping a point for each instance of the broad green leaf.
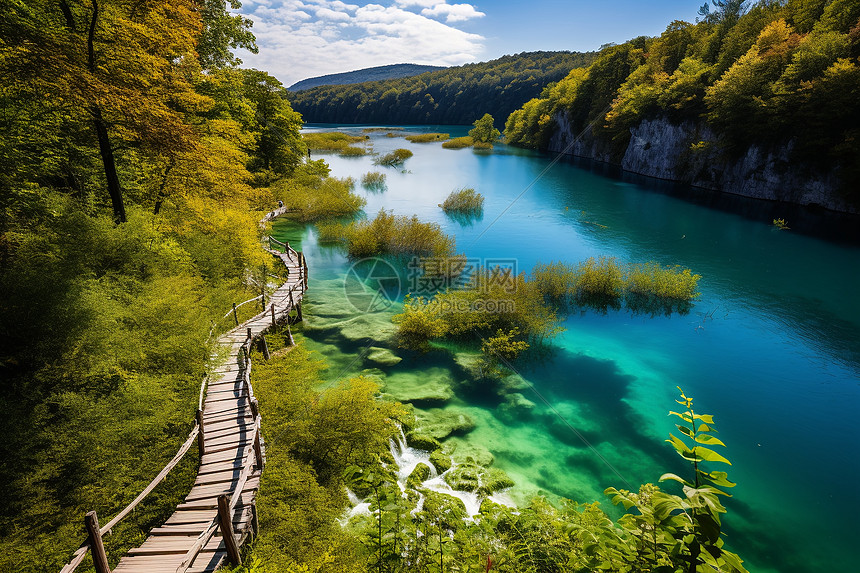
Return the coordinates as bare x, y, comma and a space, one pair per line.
674, 477
684, 416
709, 440
732, 560
706, 428
679, 445
710, 455
706, 418
685, 430
719, 478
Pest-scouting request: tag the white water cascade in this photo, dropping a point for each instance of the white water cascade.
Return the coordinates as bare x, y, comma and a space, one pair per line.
407, 459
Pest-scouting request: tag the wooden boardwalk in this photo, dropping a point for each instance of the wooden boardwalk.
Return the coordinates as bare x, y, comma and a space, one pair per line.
232, 454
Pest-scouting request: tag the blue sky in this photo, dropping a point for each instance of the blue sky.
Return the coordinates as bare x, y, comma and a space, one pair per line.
299, 39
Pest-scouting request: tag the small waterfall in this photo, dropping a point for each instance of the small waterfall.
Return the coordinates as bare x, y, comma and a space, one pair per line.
407, 459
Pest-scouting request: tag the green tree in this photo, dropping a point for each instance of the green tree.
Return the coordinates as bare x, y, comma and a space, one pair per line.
484, 130
222, 32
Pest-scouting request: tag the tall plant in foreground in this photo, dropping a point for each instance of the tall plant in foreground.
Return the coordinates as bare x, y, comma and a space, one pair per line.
683, 532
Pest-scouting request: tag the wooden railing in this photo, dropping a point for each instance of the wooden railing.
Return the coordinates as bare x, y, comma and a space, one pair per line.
254, 455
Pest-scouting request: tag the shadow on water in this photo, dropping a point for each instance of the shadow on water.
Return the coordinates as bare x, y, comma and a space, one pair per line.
811, 220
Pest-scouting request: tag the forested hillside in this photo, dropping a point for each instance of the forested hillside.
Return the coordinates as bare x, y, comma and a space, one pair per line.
771, 74
453, 96
379, 73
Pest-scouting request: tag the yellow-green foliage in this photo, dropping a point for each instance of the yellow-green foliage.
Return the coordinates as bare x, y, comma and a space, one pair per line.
652, 279
311, 437
389, 234
373, 180
606, 283
416, 325
494, 300
766, 75
394, 159
463, 200
459, 143
330, 140
353, 151
428, 137
484, 132
317, 196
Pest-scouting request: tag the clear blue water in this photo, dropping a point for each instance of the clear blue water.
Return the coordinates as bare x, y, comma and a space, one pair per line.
771, 348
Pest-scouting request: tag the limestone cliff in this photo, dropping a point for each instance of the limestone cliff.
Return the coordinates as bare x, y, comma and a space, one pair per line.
687, 152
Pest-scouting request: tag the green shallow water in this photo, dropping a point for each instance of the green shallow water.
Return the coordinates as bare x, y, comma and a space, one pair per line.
772, 346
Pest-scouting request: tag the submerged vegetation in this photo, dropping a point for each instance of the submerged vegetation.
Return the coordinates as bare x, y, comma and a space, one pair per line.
395, 158
389, 234
373, 180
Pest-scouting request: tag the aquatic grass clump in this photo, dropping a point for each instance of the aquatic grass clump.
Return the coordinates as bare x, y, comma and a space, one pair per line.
428, 137
652, 279
605, 283
330, 140
459, 143
393, 159
373, 180
463, 201
389, 234
351, 151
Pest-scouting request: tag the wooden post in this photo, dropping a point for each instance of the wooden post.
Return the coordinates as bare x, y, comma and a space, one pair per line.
97, 548
235, 315
255, 522
292, 304
265, 347
273, 315
255, 408
258, 448
299, 310
305, 270
200, 438
250, 334
226, 522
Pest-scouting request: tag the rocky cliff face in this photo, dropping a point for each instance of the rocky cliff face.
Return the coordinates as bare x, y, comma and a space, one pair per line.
686, 153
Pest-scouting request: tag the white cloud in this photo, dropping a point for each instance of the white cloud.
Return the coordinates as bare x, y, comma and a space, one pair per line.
453, 12
301, 39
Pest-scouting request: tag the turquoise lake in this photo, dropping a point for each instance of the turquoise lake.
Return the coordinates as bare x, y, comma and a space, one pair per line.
771, 348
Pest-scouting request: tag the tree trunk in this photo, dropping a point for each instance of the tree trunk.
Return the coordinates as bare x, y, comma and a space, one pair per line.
105, 149
110, 165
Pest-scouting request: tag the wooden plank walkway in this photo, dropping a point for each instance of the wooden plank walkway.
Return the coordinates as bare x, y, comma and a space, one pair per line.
229, 427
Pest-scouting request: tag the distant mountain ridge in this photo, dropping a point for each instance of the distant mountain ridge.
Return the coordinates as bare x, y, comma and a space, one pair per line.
378, 73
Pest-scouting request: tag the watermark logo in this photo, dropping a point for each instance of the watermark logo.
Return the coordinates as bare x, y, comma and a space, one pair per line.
429, 275
371, 285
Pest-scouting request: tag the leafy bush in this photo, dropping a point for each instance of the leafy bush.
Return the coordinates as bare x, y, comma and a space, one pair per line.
464, 201
316, 196
428, 137
394, 159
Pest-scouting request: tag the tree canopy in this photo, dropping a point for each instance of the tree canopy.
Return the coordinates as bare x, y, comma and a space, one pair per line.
764, 73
